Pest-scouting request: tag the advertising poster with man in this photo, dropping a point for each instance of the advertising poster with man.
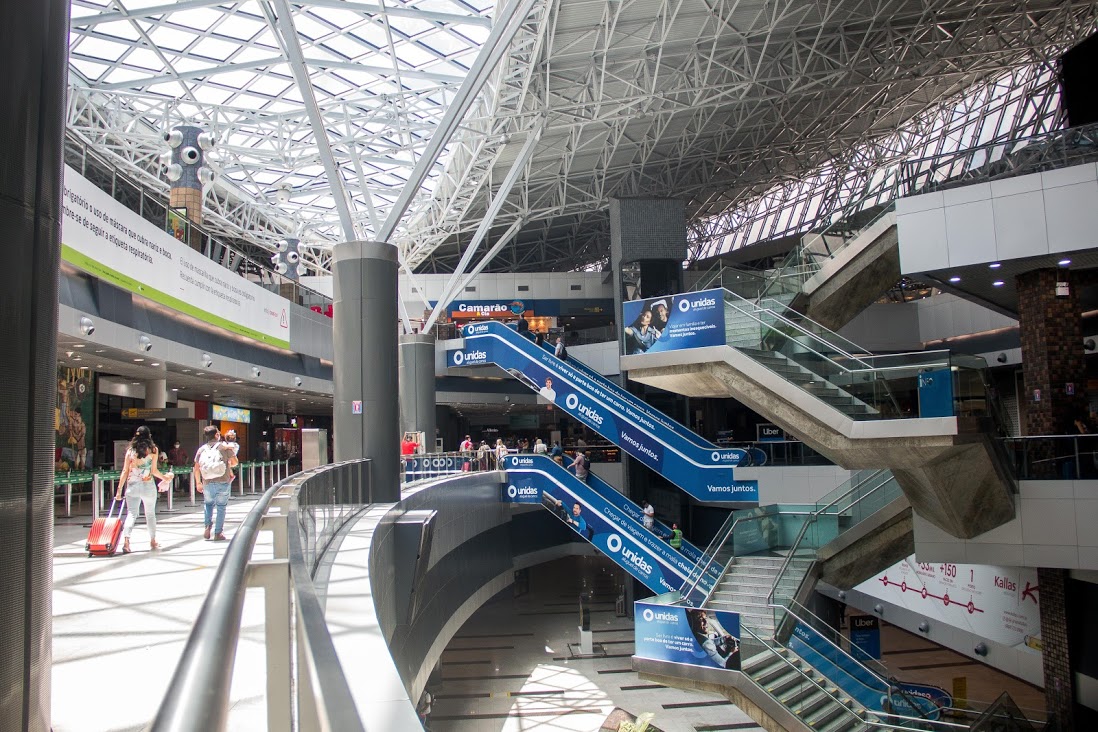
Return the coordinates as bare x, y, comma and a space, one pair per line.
707, 638
673, 322
73, 419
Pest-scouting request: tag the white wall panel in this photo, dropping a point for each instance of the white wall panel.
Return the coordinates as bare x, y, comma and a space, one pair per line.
1020, 225
1071, 215
970, 231
923, 244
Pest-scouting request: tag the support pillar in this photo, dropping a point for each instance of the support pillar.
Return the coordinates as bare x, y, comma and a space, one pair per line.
1054, 372
647, 248
364, 334
1053, 363
156, 395
34, 50
417, 386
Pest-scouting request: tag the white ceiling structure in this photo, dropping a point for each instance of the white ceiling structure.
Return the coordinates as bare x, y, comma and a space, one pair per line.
765, 115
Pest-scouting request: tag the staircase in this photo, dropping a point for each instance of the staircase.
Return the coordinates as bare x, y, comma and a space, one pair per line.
744, 589
803, 691
794, 372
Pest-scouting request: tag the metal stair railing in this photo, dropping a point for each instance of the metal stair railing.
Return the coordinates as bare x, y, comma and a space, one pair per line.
880, 479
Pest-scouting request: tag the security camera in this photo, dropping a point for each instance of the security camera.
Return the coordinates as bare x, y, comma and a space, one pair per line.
206, 140
174, 172
190, 155
292, 257
283, 245
207, 360
283, 192
174, 138
87, 327
144, 343
256, 372
206, 175
297, 381
281, 268
302, 270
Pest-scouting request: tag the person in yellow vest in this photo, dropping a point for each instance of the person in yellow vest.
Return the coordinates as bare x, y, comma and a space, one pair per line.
676, 538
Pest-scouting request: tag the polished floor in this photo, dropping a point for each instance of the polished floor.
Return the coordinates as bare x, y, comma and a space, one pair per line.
514, 666
120, 623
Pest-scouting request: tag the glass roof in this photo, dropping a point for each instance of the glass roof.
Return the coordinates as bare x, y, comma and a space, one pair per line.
381, 74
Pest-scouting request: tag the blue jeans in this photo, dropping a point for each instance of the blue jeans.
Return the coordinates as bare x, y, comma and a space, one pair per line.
216, 494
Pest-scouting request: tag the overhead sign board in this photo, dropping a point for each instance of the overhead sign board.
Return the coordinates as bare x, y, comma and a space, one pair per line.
107, 240
167, 413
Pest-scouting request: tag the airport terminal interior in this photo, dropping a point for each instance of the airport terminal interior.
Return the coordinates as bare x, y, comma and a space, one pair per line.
550, 365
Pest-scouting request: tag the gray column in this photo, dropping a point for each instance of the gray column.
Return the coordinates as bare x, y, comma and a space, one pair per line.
156, 395
33, 52
417, 385
364, 335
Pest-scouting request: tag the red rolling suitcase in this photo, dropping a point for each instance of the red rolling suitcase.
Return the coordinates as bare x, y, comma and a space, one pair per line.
106, 533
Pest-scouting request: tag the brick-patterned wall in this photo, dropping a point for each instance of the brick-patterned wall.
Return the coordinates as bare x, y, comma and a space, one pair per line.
1056, 661
1052, 352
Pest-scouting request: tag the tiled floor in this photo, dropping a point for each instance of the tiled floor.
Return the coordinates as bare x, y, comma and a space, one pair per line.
120, 623
916, 659
511, 667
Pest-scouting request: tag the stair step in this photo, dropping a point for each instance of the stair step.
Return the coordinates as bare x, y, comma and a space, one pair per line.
842, 723
829, 713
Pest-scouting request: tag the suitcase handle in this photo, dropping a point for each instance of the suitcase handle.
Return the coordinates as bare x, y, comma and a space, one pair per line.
121, 509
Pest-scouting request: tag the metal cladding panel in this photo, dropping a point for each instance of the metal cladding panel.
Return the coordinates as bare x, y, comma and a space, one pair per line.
31, 134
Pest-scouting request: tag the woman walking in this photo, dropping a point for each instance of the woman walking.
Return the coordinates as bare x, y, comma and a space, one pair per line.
137, 478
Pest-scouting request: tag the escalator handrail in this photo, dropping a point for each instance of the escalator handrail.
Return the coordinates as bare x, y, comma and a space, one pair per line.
711, 556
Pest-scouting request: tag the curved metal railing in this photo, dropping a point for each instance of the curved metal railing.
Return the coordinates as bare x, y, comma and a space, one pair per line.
312, 507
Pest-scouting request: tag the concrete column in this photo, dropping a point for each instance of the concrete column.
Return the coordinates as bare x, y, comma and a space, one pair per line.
364, 334
186, 191
417, 385
33, 52
156, 395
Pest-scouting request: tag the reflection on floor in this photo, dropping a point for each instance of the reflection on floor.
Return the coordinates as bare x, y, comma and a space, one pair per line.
513, 666
120, 623
915, 659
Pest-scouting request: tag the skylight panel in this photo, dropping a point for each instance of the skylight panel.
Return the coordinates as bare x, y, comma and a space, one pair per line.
414, 56
372, 34
214, 49
167, 38
207, 94
102, 49
90, 70
410, 26
145, 59
122, 29
201, 19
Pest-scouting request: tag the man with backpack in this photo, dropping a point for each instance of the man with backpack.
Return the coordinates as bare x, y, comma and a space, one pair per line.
213, 476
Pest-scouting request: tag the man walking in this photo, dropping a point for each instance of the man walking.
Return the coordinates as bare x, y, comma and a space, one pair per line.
649, 515
212, 476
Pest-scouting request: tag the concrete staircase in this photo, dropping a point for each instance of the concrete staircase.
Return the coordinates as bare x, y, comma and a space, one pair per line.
744, 589
804, 692
796, 373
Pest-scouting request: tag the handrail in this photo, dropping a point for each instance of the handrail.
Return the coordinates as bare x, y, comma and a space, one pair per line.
799, 327
799, 672
711, 556
200, 685
890, 683
815, 516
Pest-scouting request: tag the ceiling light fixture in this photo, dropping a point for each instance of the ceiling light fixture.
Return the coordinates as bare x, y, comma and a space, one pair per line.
1064, 262
998, 283
995, 265
954, 279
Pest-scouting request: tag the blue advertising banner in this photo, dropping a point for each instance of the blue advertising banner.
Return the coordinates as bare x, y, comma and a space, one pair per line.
707, 638
622, 539
673, 322
426, 466
700, 468
865, 633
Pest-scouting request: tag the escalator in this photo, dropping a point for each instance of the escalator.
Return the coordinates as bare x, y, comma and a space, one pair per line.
930, 417
700, 468
615, 532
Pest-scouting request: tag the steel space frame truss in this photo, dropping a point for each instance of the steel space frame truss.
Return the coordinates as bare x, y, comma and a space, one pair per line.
767, 118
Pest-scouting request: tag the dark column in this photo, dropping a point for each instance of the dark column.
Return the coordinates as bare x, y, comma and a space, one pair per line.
1052, 352
647, 248
1055, 658
364, 335
417, 386
34, 53
1053, 363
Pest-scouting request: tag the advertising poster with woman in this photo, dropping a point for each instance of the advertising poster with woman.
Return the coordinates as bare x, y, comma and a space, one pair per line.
673, 322
74, 419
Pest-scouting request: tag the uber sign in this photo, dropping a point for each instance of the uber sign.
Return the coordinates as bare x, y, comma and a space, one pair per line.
769, 433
